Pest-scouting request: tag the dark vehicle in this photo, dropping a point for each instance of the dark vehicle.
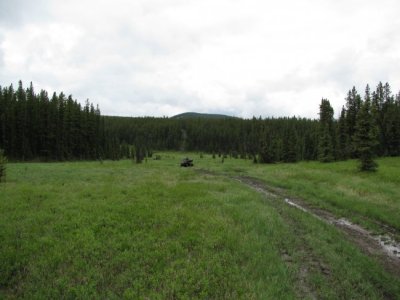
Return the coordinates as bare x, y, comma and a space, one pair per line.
186, 162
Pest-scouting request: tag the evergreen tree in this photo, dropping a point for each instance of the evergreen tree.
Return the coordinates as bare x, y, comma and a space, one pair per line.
139, 154
377, 114
289, 146
2, 118
266, 155
22, 142
365, 137
388, 129
342, 149
353, 104
396, 127
3, 162
325, 145
34, 127
325, 152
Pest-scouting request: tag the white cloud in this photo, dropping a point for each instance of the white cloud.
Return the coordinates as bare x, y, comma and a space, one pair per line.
243, 57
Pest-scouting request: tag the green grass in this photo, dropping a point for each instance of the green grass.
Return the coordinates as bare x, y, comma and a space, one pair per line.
366, 198
157, 231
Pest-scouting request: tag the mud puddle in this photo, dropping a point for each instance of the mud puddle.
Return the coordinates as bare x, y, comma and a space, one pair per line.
390, 245
383, 246
291, 203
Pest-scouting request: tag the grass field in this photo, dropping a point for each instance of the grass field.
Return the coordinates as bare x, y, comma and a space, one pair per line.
157, 231
366, 198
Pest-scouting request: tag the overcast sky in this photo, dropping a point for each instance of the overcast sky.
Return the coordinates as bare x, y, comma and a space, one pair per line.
238, 57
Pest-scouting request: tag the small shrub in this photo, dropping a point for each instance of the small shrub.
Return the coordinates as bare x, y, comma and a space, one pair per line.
235, 154
3, 162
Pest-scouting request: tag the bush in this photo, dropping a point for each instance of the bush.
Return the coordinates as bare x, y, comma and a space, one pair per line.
3, 162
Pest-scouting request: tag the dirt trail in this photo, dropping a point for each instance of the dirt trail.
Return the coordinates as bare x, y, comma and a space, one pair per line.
381, 246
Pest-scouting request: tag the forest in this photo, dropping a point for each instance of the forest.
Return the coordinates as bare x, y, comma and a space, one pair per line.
36, 126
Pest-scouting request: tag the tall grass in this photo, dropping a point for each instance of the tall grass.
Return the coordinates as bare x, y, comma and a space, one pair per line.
155, 230
339, 187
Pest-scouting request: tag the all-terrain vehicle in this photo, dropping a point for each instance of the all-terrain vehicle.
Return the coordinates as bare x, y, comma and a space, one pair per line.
186, 162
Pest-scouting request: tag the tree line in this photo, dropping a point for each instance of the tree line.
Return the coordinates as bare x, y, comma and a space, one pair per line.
368, 126
288, 139
36, 126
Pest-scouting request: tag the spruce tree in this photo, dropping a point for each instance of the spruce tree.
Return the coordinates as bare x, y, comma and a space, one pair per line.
325, 153
377, 113
396, 126
3, 162
342, 149
325, 145
365, 137
353, 104
289, 154
2, 118
266, 155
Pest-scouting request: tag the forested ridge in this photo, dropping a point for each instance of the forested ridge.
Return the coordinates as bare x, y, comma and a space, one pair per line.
39, 127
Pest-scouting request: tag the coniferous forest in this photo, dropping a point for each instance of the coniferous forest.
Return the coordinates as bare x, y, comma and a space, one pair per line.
36, 126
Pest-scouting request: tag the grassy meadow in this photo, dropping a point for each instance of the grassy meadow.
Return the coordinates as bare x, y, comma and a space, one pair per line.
367, 198
84, 230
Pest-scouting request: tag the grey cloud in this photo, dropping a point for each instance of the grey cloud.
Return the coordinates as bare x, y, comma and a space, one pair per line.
16, 12
351, 68
263, 104
341, 70
129, 98
145, 63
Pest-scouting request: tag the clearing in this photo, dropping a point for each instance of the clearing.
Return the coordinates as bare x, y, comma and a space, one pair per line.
155, 230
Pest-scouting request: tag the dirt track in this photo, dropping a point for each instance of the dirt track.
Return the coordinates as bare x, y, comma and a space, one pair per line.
382, 247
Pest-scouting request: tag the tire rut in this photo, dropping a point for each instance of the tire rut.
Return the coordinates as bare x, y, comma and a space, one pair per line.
383, 247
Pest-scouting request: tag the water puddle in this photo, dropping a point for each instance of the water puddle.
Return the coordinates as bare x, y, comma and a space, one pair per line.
291, 203
389, 245
346, 223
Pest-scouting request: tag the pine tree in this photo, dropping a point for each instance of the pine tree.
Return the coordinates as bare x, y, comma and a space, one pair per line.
389, 123
325, 145
33, 127
396, 127
23, 148
342, 150
3, 162
32, 121
2, 118
266, 155
353, 104
325, 153
365, 138
289, 146
377, 113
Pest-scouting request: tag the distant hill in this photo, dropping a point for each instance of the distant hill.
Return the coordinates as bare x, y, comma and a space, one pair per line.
191, 115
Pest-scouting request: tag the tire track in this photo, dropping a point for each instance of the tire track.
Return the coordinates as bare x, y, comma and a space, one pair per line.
386, 249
